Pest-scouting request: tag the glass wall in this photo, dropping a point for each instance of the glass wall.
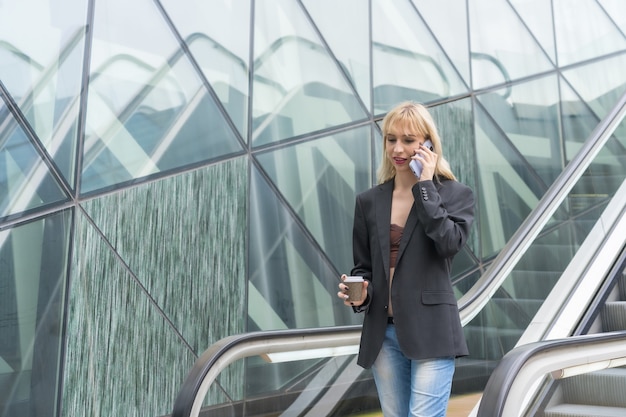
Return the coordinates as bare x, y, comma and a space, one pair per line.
174, 172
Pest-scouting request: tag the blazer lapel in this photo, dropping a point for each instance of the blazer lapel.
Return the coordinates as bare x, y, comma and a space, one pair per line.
383, 218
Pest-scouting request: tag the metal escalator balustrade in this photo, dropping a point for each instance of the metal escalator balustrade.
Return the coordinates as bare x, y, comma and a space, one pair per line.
573, 299
497, 311
582, 375
218, 357
324, 342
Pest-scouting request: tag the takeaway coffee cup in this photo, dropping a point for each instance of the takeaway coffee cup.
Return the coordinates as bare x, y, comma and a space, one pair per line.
355, 288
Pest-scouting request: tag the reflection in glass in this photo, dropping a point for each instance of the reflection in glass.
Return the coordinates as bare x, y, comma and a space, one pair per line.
351, 51
334, 386
530, 117
502, 48
583, 31
320, 180
298, 88
455, 123
508, 189
537, 15
291, 283
599, 92
41, 56
500, 324
25, 180
33, 259
450, 30
148, 109
407, 62
218, 36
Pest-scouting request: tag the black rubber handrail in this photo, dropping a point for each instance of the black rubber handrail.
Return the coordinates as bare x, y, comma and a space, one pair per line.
521, 367
227, 350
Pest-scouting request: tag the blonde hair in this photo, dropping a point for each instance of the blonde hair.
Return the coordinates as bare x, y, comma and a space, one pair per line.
414, 118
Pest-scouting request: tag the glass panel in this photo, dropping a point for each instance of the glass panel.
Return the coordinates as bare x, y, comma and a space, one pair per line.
615, 10
500, 324
25, 181
218, 36
455, 121
502, 47
507, 188
41, 51
600, 93
448, 21
208, 241
584, 31
529, 116
408, 63
537, 15
353, 52
298, 87
320, 180
122, 353
34, 260
149, 111
291, 284
327, 386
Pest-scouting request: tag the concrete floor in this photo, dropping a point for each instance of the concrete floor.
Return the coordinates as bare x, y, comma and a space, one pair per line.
460, 406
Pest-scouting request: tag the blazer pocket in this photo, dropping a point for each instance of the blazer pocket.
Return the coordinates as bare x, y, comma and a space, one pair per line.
438, 297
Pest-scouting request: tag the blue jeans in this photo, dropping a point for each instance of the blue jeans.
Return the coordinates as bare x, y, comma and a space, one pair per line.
411, 388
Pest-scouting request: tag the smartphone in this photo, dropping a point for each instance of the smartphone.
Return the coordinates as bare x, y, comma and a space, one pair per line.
416, 166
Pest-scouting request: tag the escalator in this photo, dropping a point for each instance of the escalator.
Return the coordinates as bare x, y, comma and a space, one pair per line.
558, 259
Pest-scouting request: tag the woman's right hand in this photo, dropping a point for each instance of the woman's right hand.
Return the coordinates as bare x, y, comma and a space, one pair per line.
343, 294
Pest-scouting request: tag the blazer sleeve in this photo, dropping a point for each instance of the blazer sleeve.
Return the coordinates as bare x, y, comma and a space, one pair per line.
361, 252
447, 213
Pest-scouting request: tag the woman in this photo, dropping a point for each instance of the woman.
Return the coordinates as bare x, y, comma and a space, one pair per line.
406, 232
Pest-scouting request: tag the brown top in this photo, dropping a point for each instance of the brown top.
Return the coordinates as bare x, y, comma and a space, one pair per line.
395, 235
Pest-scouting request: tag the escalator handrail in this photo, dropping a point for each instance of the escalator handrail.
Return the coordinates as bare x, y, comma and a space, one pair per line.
521, 368
472, 302
224, 352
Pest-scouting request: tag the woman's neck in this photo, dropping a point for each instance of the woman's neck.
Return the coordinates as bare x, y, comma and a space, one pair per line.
404, 181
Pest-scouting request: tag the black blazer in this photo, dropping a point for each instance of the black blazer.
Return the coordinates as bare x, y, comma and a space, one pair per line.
425, 308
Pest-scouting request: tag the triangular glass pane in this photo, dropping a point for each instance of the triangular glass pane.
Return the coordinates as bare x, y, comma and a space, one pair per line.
138, 221
25, 180
324, 201
298, 87
218, 35
502, 48
450, 29
504, 193
120, 339
34, 263
291, 284
529, 114
148, 110
537, 15
407, 61
581, 120
455, 121
584, 31
353, 52
600, 84
615, 10
42, 72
